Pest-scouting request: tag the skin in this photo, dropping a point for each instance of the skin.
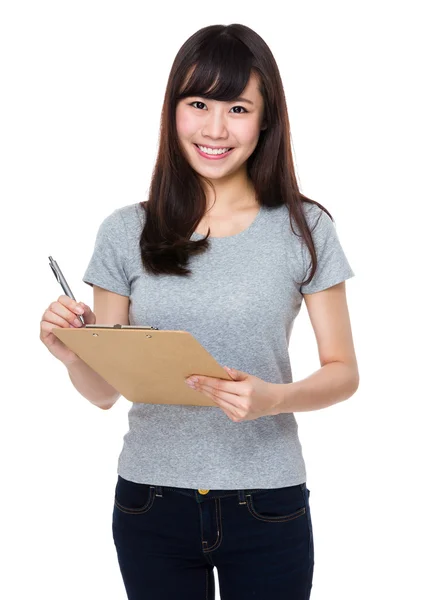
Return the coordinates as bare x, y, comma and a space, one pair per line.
223, 124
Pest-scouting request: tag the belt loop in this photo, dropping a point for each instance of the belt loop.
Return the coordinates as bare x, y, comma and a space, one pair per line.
241, 494
158, 492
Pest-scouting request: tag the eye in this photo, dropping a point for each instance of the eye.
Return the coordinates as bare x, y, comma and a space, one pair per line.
244, 109
196, 102
203, 104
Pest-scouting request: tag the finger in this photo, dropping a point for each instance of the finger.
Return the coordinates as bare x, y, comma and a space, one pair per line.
55, 319
86, 308
62, 310
223, 385
70, 303
227, 408
230, 400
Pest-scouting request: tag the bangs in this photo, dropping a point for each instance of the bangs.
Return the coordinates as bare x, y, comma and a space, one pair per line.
220, 72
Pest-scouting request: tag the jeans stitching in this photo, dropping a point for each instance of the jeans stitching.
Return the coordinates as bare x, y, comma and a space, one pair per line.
308, 516
138, 511
204, 543
280, 519
220, 528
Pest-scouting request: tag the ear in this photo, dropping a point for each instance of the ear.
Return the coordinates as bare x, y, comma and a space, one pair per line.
264, 127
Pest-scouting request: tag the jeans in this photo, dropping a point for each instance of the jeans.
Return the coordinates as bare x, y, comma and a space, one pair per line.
168, 541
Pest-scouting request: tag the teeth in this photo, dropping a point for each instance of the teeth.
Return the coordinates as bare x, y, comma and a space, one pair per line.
210, 151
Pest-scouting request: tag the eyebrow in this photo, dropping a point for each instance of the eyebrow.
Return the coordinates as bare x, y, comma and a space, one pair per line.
243, 100
240, 99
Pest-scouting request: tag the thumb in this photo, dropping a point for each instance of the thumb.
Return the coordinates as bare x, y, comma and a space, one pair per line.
89, 316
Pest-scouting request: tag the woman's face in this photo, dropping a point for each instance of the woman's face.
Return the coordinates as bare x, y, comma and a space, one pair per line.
213, 124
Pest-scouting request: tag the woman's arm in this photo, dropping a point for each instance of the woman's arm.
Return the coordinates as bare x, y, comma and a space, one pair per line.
338, 378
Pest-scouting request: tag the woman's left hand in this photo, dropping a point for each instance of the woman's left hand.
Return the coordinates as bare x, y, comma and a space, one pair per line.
244, 399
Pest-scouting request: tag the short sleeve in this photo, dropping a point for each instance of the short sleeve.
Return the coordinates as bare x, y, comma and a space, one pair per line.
333, 266
107, 267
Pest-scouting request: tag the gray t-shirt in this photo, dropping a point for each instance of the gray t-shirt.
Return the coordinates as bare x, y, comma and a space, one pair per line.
240, 304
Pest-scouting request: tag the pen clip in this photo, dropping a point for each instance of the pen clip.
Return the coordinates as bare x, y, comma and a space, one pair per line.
55, 272
54, 268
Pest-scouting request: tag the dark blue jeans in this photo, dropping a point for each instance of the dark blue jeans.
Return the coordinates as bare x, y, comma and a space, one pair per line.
168, 541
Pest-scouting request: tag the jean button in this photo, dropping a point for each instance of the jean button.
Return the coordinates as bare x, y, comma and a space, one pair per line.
203, 491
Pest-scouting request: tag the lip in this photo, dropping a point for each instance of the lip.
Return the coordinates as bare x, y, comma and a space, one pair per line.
212, 156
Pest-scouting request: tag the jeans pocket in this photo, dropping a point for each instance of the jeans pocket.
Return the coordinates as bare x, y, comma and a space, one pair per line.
279, 504
133, 498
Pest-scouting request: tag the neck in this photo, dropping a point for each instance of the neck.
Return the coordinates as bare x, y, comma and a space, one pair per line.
230, 194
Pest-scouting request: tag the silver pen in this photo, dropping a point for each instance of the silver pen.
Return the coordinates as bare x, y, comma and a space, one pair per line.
60, 278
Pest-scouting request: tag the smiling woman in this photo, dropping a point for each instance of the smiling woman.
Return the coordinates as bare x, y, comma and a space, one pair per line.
219, 130
224, 147
224, 164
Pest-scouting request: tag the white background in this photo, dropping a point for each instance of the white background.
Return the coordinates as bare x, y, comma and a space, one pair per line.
82, 86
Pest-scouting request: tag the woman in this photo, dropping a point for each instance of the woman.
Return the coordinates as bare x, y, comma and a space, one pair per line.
226, 248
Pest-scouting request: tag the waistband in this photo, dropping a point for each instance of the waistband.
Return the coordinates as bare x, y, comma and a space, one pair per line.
202, 494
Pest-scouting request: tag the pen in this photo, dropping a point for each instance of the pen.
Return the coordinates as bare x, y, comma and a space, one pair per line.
60, 278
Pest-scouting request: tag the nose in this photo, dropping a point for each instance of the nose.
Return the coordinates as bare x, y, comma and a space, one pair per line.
215, 126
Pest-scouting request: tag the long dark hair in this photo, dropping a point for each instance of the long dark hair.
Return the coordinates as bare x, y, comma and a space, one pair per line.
219, 60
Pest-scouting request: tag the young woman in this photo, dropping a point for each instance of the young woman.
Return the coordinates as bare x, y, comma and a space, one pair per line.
226, 247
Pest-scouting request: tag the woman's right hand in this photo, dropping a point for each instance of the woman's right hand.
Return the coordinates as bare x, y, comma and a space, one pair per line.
62, 313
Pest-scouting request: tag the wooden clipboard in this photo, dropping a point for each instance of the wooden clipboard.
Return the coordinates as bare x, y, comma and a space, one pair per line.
143, 363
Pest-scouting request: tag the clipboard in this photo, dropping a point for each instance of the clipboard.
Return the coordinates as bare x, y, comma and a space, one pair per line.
143, 363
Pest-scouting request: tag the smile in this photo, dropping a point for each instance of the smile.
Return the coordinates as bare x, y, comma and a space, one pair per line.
211, 154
